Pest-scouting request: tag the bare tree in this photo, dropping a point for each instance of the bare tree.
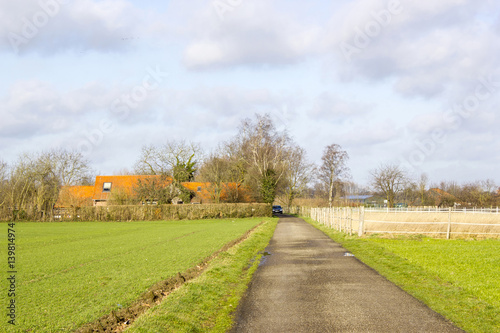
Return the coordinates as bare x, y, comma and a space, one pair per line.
389, 179
215, 170
3, 182
262, 152
422, 187
410, 191
20, 185
451, 187
174, 158
123, 172
299, 174
353, 188
150, 162
478, 193
35, 179
488, 192
159, 190
70, 167
333, 170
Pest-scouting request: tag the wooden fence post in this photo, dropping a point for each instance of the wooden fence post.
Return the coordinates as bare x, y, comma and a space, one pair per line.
330, 217
361, 221
449, 224
336, 218
341, 220
350, 221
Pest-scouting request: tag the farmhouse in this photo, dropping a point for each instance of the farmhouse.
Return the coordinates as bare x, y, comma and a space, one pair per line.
107, 188
443, 198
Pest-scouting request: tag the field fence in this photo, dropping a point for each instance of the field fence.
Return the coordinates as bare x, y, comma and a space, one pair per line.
434, 209
437, 223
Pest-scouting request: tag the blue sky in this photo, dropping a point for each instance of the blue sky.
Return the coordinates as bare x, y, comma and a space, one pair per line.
409, 82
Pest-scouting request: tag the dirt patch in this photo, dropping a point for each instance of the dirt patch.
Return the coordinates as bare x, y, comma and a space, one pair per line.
119, 320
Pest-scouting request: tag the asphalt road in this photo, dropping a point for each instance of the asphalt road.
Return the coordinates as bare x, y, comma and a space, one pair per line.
308, 284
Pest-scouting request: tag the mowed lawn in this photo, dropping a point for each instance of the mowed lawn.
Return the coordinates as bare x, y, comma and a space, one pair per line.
459, 279
72, 273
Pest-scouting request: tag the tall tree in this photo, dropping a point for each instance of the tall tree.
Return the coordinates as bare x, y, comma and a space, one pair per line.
333, 170
69, 167
263, 152
299, 174
216, 170
178, 159
35, 179
422, 187
488, 191
390, 180
410, 191
160, 190
183, 170
3, 182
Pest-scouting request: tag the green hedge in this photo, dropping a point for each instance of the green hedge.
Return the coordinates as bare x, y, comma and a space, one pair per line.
163, 212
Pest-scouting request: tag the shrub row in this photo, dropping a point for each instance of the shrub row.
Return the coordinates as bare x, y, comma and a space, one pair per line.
163, 212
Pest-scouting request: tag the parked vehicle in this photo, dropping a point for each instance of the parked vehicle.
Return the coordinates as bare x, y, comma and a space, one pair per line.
277, 210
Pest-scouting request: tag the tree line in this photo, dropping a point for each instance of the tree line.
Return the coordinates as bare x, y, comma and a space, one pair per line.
396, 185
266, 161
30, 187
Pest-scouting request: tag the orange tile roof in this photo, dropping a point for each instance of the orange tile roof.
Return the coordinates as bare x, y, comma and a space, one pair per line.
441, 192
206, 193
75, 196
125, 183
83, 195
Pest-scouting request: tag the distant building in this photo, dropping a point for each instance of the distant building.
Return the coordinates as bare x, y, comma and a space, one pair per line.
357, 198
106, 186
443, 198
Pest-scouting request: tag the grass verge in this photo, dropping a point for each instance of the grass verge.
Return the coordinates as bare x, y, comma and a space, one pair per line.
457, 278
207, 303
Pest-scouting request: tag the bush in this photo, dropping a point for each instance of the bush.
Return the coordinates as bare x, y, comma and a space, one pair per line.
166, 212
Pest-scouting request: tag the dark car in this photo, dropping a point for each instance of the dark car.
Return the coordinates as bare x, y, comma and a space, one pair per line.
277, 210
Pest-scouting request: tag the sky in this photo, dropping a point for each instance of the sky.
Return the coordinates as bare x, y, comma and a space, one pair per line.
413, 83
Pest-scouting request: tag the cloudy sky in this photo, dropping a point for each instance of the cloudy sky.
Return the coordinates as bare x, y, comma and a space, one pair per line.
409, 82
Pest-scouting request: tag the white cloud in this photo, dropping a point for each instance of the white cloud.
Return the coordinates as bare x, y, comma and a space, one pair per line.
430, 48
50, 26
329, 106
255, 33
371, 134
34, 107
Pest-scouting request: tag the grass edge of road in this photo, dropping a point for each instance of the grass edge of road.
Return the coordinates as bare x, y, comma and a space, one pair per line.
454, 303
208, 303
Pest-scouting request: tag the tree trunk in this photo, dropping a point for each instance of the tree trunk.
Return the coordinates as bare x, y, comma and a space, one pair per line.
330, 194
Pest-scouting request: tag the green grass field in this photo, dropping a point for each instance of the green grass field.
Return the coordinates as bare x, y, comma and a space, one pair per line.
207, 303
72, 273
458, 278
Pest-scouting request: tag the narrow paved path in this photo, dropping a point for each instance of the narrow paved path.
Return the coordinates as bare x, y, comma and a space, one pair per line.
307, 284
